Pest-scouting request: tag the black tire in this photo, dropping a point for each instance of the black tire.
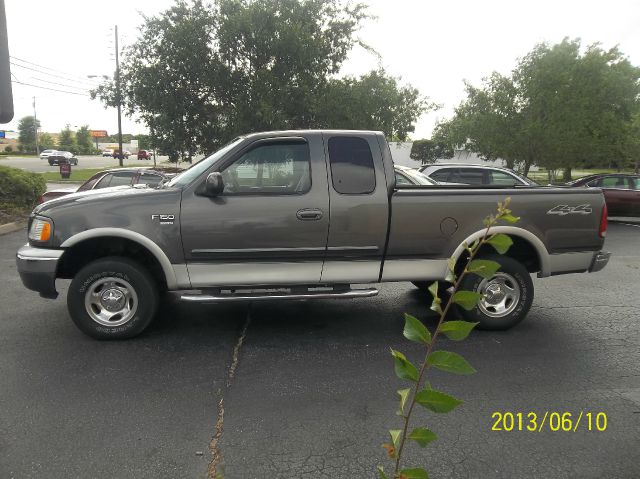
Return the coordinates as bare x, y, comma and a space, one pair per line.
516, 277
114, 275
51, 163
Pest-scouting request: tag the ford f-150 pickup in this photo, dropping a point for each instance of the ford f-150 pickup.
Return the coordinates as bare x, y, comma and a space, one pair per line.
296, 215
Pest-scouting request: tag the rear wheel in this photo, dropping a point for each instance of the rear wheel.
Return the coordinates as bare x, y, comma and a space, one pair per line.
507, 296
112, 298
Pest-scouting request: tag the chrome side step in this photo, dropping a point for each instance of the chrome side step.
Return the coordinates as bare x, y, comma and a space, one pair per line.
272, 295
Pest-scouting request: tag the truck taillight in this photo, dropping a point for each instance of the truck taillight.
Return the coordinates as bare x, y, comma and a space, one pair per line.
603, 221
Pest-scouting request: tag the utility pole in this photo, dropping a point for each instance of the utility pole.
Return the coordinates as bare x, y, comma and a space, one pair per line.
119, 98
35, 125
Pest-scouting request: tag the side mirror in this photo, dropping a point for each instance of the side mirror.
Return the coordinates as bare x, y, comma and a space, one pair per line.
214, 186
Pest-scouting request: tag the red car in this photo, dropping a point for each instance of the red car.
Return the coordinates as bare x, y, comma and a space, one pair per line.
144, 155
117, 177
621, 191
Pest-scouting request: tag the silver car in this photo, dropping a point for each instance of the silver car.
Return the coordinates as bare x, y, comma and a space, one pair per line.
475, 175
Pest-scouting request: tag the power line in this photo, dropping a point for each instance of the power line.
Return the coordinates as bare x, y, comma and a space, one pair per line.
60, 84
52, 89
48, 68
51, 74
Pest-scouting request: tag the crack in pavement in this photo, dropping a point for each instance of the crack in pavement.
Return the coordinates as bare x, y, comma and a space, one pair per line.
216, 453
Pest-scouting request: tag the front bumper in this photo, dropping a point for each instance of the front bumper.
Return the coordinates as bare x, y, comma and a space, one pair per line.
600, 260
37, 268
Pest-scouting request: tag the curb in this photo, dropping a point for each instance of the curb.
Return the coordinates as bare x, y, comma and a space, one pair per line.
11, 227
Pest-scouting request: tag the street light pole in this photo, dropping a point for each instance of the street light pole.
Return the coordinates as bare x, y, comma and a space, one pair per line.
119, 99
35, 125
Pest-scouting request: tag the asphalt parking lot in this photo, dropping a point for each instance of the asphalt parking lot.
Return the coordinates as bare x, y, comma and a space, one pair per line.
37, 165
307, 389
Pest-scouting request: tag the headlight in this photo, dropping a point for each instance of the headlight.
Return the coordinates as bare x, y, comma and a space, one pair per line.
41, 229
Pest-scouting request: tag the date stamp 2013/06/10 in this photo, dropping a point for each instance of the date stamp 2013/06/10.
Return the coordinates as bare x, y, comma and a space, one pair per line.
555, 421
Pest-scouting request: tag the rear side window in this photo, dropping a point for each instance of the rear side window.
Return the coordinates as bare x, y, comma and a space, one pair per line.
619, 182
500, 178
352, 171
469, 176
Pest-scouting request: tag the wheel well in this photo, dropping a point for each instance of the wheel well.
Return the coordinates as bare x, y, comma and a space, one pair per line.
521, 250
81, 254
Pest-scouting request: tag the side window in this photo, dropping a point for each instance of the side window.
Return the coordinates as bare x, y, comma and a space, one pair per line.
352, 171
469, 176
619, 182
595, 183
401, 180
500, 178
149, 179
279, 168
90, 183
636, 184
104, 182
442, 175
121, 178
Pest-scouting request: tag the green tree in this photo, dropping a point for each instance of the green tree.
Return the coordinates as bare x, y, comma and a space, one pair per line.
560, 108
84, 141
428, 151
27, 134
67, 140
272, 65
46, 141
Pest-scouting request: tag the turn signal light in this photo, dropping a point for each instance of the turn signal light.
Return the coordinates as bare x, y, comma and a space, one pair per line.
40, 230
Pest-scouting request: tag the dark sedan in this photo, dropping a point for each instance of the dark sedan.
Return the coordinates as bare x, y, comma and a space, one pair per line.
117, 177
621, 191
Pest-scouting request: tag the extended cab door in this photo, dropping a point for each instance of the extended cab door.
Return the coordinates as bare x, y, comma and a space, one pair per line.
270, 224
359, 198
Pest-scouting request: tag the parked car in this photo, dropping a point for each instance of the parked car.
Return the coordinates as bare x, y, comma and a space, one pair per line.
46, 153
116, 177
125, 153
406, 176
107, 152
284, 215
475, 175
62, 157
621, 191
144, 154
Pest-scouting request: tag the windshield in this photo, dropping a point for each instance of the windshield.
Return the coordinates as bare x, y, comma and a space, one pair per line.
419, 178
203, 165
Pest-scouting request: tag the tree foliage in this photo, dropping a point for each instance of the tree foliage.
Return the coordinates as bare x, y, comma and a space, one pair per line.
84, 143
201, 74
561, 107
67, 140
428, 151
27, 134
46, 141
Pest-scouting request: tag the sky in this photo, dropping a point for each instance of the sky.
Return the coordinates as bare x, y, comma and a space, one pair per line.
434, 46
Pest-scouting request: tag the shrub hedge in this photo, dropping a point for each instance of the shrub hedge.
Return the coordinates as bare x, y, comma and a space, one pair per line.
20, 189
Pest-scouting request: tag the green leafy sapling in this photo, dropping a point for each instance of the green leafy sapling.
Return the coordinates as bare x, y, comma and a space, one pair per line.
421, 392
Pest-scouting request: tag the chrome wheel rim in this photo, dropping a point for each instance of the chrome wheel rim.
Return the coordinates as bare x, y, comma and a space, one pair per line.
500, 295
111, 301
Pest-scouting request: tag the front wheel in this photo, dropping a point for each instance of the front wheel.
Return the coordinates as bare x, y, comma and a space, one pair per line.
112, 298
507, 296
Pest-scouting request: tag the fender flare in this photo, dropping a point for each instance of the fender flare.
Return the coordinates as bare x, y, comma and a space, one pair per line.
152, 247
528, 236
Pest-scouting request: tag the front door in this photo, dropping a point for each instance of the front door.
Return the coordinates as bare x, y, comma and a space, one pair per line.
270, 224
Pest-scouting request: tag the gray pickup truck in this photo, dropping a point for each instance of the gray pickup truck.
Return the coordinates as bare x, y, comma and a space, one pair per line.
296, 215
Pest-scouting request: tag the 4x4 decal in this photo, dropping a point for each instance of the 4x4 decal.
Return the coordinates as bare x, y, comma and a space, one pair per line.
563, 210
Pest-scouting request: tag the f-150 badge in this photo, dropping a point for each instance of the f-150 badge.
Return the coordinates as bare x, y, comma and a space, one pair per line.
563, 210
164, 219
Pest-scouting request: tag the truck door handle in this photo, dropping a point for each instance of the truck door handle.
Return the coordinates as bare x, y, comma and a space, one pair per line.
309, 214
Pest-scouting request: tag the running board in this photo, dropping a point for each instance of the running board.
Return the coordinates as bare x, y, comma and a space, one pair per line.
279, 295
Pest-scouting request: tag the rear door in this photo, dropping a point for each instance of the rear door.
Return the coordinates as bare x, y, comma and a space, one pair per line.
359, 208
